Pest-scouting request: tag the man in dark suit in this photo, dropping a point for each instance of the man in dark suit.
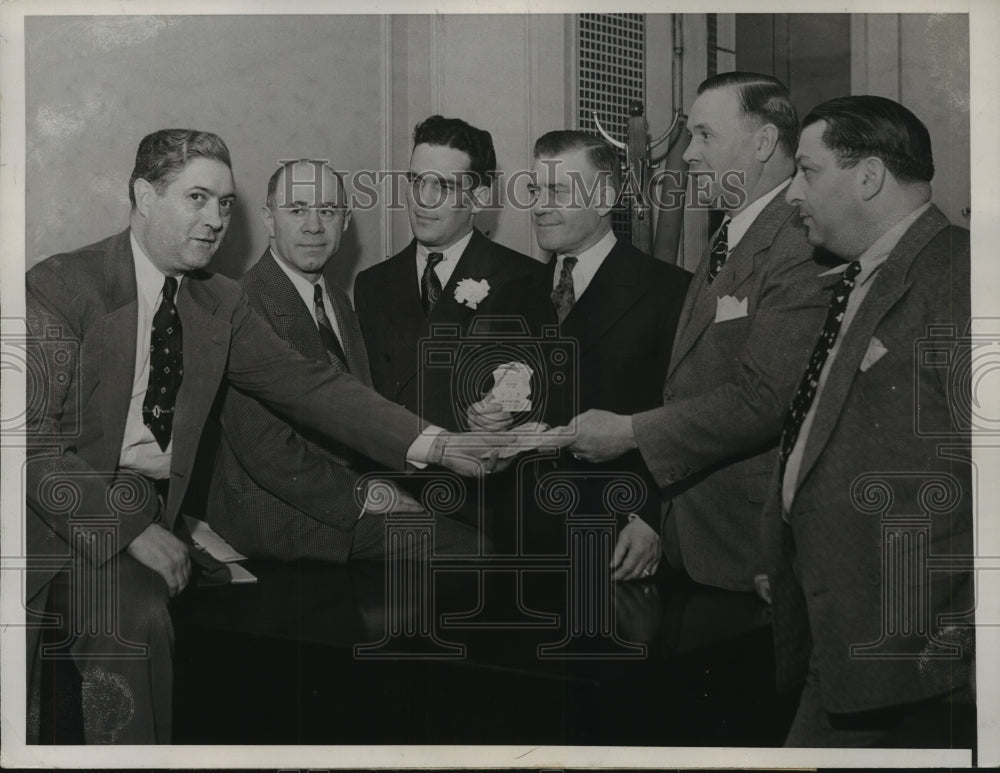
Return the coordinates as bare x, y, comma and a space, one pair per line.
423, 288
280, 493
133, 340
874, 478
453, 287
748, 321
619, 304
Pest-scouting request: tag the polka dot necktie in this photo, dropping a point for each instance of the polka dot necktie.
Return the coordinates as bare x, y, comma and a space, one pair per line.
166, 367
333, 348
806, 392
720, 251
564, 295
430, 284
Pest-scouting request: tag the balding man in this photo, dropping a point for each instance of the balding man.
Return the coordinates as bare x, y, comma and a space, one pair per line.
280, 491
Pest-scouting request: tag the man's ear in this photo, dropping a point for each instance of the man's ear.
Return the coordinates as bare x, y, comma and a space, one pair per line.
144, 192
765, 142
873, 173
347, 220
267, 217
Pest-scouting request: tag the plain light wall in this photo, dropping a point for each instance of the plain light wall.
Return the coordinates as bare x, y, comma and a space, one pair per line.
344, 88
274, 87
922, 61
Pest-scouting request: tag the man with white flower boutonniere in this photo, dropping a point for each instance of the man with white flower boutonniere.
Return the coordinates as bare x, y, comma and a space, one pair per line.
749, 321
449, 276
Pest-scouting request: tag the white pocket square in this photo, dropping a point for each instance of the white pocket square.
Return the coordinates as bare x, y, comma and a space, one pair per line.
727, 307
876, 351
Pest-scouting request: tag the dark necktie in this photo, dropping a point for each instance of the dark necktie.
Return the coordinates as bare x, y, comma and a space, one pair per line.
430, 285
720, 251
564, 296
806, 392
166, 367
333, 348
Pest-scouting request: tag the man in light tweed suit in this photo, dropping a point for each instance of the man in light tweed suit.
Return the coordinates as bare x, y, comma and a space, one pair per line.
280, 491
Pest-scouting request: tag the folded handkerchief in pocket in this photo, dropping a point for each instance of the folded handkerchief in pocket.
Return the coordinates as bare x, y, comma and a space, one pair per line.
727, 308
876, 351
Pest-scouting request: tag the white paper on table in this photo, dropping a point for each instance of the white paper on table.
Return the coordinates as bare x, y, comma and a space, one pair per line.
240, 575
205, 537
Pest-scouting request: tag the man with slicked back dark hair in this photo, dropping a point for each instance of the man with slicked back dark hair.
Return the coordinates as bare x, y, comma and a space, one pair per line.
750, 315
874, 478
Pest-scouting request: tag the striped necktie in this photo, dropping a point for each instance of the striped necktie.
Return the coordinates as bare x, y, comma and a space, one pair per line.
326, 334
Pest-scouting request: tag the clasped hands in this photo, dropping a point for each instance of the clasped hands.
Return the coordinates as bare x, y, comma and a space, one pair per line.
598, 436
594, 436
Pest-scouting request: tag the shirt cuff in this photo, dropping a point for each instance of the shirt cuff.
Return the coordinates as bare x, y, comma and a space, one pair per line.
419, 452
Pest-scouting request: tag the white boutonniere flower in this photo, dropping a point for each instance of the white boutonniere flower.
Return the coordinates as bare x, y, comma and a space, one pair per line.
472, 292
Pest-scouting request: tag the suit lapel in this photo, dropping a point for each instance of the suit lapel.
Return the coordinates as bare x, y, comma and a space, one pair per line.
615, 288
890, 283
702, 297
350, 336
404, 315
206, 348
118, 344
478, 261
292, 319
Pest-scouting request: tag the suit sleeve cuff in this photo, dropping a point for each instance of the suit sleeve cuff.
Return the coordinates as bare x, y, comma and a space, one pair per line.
420, 452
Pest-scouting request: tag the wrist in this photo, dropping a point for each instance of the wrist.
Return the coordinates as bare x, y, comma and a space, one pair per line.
628, 434
436, 453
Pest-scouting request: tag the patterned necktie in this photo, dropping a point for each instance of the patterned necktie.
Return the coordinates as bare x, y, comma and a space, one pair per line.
806, 392
720, 251
564, 296
166, 367
430, 284
330, 341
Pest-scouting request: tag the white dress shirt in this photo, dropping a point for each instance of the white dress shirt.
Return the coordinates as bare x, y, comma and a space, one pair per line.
870, 260
740, 223
446, 266
140, 451
305, 290
587, 264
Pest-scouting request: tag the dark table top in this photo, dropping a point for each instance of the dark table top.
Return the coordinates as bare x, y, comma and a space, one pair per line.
473, 651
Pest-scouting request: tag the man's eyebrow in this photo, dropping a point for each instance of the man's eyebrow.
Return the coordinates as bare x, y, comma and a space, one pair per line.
210, 192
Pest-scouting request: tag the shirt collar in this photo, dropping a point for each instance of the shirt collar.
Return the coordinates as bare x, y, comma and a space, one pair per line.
302, 285
879, 252
742, 220
148, 278
595, 254
452, 252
